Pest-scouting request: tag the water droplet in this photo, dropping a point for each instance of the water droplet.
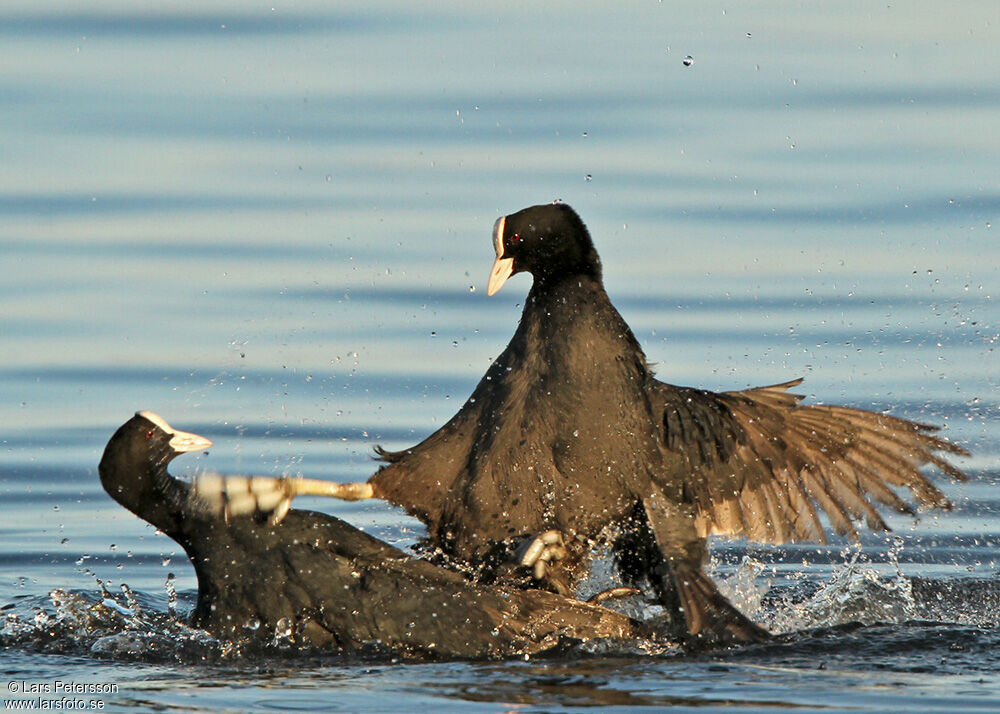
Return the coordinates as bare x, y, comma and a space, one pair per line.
588, 177
688, 61
329, 178
171, 595
283, 629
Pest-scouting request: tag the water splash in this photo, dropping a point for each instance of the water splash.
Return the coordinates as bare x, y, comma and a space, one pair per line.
171, 589
284, 633
107, 625
744, 588
855, 593
134, 626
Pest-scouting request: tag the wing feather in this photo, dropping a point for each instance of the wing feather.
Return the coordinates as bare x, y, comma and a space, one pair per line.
759, 463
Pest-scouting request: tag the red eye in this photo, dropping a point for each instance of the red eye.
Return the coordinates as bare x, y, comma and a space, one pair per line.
516, 238
149, 434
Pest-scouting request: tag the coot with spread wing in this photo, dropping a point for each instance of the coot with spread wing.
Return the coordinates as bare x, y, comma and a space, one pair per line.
571, 436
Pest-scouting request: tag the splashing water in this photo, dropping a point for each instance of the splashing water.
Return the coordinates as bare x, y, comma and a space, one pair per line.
100, 623
743, 588
283, 633
168, 585
137, 627
855, 593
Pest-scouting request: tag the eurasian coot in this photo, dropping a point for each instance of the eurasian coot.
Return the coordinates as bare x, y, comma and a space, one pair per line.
570, 435
326, 583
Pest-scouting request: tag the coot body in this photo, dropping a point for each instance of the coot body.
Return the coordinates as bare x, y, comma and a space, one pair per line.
558, 434
570, 430
329, 584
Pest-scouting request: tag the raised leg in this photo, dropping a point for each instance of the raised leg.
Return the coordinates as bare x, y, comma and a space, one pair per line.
230, 496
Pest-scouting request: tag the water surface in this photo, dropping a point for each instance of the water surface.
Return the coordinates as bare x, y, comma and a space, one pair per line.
271, 226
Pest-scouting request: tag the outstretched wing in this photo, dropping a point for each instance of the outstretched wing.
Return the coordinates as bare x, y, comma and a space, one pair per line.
758, 463
419, 478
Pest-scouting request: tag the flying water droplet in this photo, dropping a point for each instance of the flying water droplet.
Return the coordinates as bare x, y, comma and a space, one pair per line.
688, 61
283, 630
171, 595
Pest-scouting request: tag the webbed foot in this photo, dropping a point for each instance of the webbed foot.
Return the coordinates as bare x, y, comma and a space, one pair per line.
539, 553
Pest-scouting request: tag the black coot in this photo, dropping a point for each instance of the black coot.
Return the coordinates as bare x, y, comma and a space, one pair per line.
333, 585
570, 433
569, 430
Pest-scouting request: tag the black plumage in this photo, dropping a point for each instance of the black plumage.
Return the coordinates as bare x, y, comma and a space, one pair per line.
570, 430
328, 583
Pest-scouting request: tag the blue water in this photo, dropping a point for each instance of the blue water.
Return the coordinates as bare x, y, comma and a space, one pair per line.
271, 226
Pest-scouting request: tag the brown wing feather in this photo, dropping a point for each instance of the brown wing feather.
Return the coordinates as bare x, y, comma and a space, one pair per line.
758, 463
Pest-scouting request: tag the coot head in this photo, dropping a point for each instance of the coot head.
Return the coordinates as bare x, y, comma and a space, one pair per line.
549, 241
134, 468
148, 440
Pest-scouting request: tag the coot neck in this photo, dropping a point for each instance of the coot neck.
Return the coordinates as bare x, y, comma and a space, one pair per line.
147, 490
587, 278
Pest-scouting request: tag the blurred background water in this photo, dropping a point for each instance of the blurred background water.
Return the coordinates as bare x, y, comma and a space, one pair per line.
270, 223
